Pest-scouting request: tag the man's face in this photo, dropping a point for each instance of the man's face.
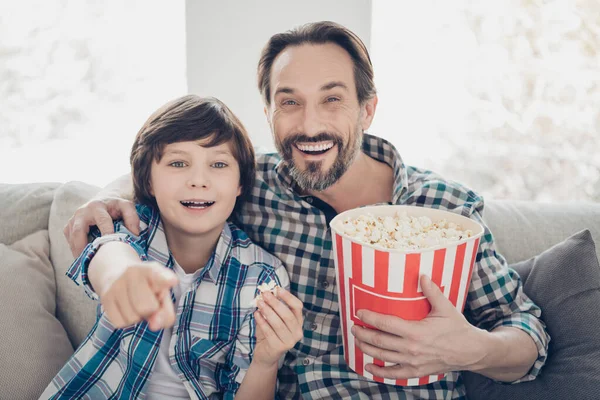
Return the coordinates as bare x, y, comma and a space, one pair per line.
315, 117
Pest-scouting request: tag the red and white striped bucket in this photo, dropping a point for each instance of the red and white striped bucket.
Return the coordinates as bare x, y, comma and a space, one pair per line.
387, 281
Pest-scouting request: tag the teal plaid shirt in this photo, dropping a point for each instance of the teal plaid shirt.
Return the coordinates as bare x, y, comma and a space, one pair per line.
292, 228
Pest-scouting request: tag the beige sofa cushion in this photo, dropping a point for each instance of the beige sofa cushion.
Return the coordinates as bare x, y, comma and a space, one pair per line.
34, 344
24, 209
75, 310
524, 229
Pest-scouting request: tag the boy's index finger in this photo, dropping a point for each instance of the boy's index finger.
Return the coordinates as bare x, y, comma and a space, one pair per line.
162, 278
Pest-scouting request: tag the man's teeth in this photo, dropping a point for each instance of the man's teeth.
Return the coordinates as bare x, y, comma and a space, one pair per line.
315, 147
197, 204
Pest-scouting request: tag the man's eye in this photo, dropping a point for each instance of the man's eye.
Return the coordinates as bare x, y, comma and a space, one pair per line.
332, 99
177, 164
289, 103
219, 165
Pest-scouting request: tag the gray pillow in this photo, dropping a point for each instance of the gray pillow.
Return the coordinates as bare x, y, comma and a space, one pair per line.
33, 344
565, 282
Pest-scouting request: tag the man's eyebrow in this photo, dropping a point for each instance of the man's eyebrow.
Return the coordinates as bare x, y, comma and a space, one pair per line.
334, 84
327, 86
284, 89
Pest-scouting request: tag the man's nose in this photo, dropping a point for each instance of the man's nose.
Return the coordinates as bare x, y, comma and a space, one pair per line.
312, 120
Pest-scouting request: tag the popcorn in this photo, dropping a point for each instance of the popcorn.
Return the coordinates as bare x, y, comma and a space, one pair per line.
270, 286
403, 232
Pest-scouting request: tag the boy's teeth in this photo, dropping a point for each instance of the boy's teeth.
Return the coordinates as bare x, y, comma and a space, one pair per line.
197, 204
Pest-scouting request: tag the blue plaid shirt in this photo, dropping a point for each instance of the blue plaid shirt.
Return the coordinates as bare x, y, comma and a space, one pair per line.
295, 229
214, 332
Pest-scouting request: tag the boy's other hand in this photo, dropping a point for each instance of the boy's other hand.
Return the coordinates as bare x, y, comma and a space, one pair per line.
142, 292
100, 212
279, 323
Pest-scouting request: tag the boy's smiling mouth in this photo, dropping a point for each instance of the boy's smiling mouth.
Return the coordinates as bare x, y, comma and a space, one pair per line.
197, 204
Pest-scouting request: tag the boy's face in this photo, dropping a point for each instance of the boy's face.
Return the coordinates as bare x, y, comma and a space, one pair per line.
195, 187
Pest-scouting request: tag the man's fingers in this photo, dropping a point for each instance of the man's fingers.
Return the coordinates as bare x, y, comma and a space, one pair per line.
387, 323
378, 339
77, 237
403, 371
380, 354
103, 220
434, 295
130, 217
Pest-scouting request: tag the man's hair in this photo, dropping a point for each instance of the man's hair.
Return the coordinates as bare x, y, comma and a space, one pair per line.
190, 118
319, 33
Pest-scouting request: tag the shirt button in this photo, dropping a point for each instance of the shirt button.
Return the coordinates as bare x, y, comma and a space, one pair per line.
309, 200
313, 326
324, 284
306, 361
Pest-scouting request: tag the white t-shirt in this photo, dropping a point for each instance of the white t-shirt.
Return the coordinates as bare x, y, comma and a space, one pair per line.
164, 383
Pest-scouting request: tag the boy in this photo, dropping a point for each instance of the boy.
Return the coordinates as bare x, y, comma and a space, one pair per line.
192, 163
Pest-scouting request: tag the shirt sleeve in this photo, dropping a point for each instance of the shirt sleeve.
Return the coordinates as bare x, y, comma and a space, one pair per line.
78, 271
496, 297
241, 353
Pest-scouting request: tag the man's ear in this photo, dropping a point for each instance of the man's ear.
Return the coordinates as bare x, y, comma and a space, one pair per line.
368, 112
239, 191
266, 110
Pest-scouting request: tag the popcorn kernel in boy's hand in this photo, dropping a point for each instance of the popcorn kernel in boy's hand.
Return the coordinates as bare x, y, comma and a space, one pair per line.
270, 286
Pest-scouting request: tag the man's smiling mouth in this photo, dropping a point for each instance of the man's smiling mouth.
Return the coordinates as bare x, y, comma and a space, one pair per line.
314, 149
196, 204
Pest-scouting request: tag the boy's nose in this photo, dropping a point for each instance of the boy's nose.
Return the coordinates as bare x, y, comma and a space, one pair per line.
198, 179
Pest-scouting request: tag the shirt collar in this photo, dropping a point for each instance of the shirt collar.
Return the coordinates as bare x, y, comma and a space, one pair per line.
157, 241
376, 148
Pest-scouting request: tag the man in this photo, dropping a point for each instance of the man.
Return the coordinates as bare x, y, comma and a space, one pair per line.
317, 85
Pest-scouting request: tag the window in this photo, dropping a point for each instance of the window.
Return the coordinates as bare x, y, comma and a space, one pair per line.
503, 96
77, 81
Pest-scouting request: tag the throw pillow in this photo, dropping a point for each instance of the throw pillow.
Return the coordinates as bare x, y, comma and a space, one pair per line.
74, 309
565, 282
34, 344
24, 209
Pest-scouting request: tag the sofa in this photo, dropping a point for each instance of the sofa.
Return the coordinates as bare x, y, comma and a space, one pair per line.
45, 316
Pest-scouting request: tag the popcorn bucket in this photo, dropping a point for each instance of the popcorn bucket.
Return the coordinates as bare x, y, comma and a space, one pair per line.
387, 280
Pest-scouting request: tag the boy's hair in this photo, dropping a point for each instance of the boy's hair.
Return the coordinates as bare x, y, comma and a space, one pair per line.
190, 118
319, 33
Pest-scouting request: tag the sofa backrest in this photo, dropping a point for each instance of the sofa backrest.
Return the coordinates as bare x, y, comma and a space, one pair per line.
524, 229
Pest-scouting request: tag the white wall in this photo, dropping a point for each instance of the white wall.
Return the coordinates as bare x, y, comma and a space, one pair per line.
225, 38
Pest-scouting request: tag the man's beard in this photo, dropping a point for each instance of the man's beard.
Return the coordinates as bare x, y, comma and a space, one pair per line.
312, 178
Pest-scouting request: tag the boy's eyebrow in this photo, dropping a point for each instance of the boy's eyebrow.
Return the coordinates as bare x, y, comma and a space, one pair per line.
176, 152
226, 152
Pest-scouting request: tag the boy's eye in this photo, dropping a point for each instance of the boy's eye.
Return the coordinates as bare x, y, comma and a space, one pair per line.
219, 164
177, 164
